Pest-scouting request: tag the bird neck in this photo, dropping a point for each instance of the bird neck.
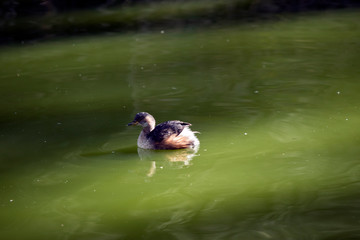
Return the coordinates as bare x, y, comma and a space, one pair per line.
149, 126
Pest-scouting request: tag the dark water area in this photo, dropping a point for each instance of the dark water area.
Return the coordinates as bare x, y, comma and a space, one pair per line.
276, 103
24, 21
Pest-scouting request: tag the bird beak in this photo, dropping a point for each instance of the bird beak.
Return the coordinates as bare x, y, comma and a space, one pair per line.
133, 123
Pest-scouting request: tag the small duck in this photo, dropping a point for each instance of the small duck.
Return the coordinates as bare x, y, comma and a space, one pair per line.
167, 135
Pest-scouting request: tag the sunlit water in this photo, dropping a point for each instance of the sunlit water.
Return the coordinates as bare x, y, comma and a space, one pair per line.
277, 105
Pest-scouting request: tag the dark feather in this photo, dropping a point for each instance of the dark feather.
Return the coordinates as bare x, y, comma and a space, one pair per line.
166, 129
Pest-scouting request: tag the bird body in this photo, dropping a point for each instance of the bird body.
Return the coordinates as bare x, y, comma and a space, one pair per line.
167, 135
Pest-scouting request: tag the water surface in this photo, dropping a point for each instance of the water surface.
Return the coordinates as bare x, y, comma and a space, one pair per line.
276, 103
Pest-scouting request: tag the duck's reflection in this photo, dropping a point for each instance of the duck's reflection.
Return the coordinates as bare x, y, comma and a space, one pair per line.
178, 158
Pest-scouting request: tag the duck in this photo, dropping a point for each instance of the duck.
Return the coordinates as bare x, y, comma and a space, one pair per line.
172, 134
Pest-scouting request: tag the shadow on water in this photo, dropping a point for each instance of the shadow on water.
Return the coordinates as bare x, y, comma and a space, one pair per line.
171, 158
121, 151
175, 158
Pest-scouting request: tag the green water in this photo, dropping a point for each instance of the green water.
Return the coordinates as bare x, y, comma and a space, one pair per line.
277, 105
